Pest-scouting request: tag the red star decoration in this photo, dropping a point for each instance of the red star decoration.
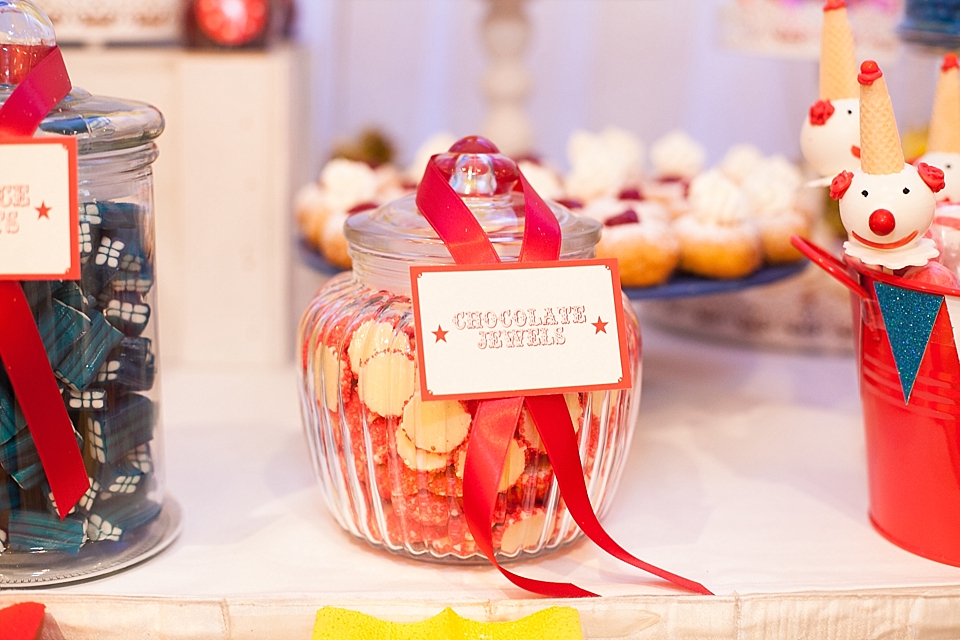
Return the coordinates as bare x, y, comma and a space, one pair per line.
441, 334
600, 325
43, 210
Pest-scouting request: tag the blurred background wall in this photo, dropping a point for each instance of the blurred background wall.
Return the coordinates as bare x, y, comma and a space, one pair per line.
248, 128
414, 67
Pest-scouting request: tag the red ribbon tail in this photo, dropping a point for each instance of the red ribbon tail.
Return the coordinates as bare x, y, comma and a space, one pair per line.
556, 431
543, 587
496, 420
21, 347
25, 359
494, 425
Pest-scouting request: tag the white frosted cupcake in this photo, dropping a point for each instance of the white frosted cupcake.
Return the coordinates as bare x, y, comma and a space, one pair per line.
739, 161
311, 212
677, 159
716, 238
544, 180
771, 191
603, 164
437, 143
343, 184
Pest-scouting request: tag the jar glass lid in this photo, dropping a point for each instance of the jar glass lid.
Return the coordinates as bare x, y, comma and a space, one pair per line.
99, 124
485, 179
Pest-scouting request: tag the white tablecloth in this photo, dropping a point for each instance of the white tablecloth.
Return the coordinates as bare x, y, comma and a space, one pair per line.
747, 474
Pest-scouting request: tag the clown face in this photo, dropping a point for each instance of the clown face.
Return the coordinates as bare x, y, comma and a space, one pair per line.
830, 136
886, 216
949, 163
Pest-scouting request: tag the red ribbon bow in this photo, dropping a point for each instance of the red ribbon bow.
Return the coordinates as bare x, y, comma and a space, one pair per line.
21, 348
496, 420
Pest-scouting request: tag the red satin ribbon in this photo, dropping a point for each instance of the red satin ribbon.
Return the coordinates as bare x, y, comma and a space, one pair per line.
21, 347
496, 420
39, 92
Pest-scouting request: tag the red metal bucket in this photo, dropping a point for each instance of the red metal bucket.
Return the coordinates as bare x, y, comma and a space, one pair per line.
913, 447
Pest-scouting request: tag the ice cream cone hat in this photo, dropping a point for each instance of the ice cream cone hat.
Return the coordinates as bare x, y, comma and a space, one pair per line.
838, 62
944, 133
880, 150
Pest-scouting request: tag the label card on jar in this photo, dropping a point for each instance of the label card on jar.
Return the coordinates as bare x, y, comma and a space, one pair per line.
489, 331
38, 209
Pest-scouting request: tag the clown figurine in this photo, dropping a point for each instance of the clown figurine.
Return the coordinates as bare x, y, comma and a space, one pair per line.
887, 206
830, 136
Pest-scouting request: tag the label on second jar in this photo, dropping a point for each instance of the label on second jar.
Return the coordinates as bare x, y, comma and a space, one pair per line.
38, 209
490, 331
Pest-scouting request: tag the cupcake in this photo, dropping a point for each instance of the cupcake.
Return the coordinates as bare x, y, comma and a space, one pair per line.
343, 184
770, 192
311, 212
677, 159
717, 240
739, 162
639, 235
544, 180
602, 165
437, 143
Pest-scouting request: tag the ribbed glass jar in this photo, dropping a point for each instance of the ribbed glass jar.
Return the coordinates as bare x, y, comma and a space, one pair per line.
391, 465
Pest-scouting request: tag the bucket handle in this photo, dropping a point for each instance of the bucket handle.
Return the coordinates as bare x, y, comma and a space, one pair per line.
830, 264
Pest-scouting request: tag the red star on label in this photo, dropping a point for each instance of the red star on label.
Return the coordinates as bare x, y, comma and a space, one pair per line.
43, 210
600, 325
440, 333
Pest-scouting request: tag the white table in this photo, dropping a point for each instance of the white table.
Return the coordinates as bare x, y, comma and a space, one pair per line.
747, 474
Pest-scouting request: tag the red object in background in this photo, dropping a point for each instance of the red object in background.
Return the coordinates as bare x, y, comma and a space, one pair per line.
238, 23
913, 448
232, 23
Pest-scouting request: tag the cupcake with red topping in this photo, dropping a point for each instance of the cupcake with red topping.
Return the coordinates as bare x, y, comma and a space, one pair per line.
639, 235
677, 159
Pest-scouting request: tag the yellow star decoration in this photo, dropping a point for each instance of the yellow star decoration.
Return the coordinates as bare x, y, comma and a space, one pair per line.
553, 623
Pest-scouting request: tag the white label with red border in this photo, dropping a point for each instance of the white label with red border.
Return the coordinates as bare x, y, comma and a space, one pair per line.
490, 331
38, 209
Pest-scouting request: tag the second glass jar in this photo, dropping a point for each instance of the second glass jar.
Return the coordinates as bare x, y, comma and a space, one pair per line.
391, 465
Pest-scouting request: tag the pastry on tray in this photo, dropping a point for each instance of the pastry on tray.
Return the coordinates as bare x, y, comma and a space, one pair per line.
648, 213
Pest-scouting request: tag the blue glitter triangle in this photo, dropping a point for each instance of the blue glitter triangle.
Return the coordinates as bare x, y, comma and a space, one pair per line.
909, 317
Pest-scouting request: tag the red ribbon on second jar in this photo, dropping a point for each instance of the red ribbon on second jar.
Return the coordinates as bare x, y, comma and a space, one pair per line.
496, 420
21, 348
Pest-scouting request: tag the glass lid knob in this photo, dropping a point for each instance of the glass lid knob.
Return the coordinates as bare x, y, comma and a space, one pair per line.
26, 37
476, 168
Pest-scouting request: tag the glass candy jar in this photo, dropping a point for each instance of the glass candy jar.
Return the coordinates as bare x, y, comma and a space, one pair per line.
390, 464
100, 335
